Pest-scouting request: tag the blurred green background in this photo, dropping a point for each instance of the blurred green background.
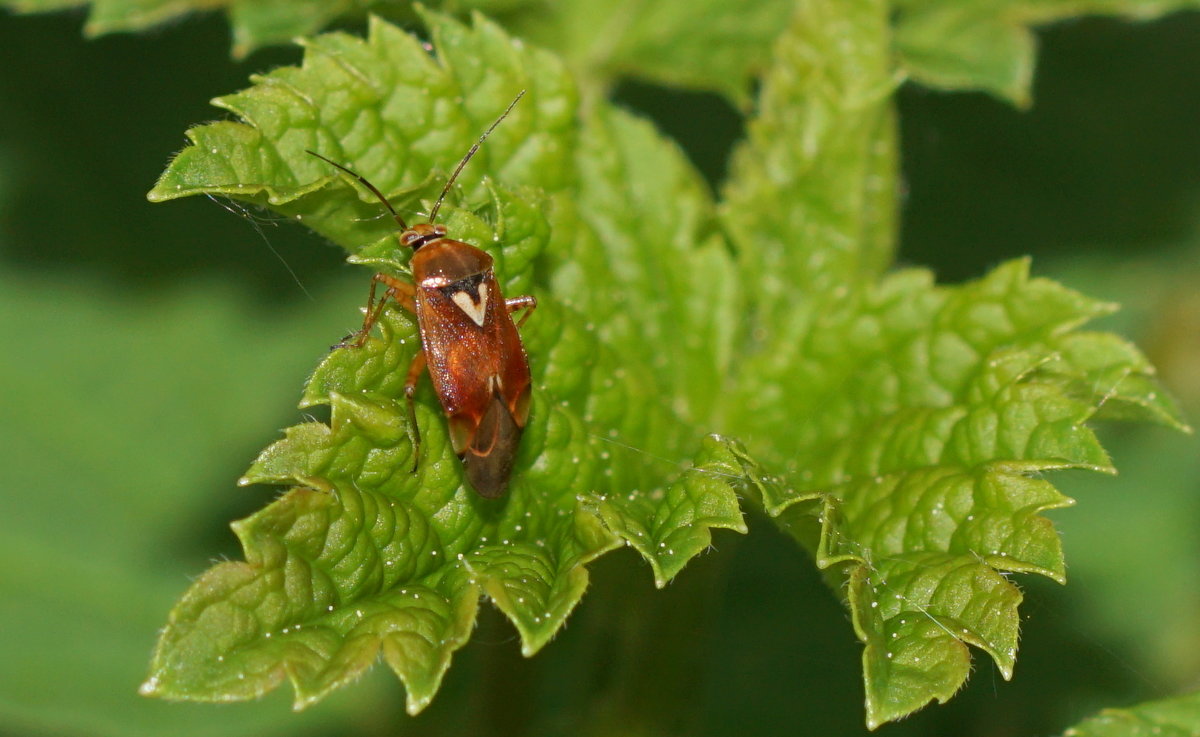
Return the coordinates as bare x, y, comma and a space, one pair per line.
151, 351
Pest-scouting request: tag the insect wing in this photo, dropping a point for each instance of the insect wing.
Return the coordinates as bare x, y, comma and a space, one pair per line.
489, 456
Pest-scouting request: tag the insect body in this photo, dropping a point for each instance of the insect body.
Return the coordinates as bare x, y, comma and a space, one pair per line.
469, 341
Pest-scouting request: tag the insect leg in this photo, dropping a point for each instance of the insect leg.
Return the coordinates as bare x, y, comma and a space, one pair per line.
527, 303
410, 389
400, 291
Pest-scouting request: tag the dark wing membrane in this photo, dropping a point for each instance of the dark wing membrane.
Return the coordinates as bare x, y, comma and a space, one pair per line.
489, 458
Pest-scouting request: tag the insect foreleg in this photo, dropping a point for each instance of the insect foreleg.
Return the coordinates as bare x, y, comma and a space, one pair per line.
400, 291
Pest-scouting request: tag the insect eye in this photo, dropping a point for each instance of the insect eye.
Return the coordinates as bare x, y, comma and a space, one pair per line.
439, 229
407, 238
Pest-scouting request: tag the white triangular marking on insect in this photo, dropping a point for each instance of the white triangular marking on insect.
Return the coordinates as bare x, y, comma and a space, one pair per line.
475, 310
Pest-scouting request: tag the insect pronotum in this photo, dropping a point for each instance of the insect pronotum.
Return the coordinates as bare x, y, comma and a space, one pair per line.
469, 342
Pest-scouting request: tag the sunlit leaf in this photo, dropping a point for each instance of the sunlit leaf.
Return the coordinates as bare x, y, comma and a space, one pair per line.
1177, 717
912, 420
364, 557
990, 45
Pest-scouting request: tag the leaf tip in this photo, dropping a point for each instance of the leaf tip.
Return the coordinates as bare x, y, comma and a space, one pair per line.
414, 706
241, 49
1020, 97
305, 699
149, 687
161, 194
94, 29
660, 581
171, 186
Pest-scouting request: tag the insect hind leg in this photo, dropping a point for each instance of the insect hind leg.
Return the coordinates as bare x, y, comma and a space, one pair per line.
410, 389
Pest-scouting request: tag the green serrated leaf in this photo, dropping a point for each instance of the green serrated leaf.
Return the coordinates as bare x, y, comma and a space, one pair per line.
111, 16
1175, 717
989, 45
713, 44
319, 615
914, 349
393, 113
670, 526
644, 229
911, 421
1116, 376
258, 23
336, 567
944, 471
810, 203
917, 613
910, 418
717, 45
967, 46
255, 23
988, 514
341, 557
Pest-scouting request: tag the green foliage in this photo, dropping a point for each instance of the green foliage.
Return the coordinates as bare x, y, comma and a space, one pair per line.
1177, 717
362, 556
902, 427
914, 415
710, 44
255, 23
989, 44
716, 45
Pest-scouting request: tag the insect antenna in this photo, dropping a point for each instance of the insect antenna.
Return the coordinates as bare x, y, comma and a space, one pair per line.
363, 180
450, 182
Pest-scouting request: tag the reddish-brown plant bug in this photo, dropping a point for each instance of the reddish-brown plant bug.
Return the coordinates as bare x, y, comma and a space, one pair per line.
469, 341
